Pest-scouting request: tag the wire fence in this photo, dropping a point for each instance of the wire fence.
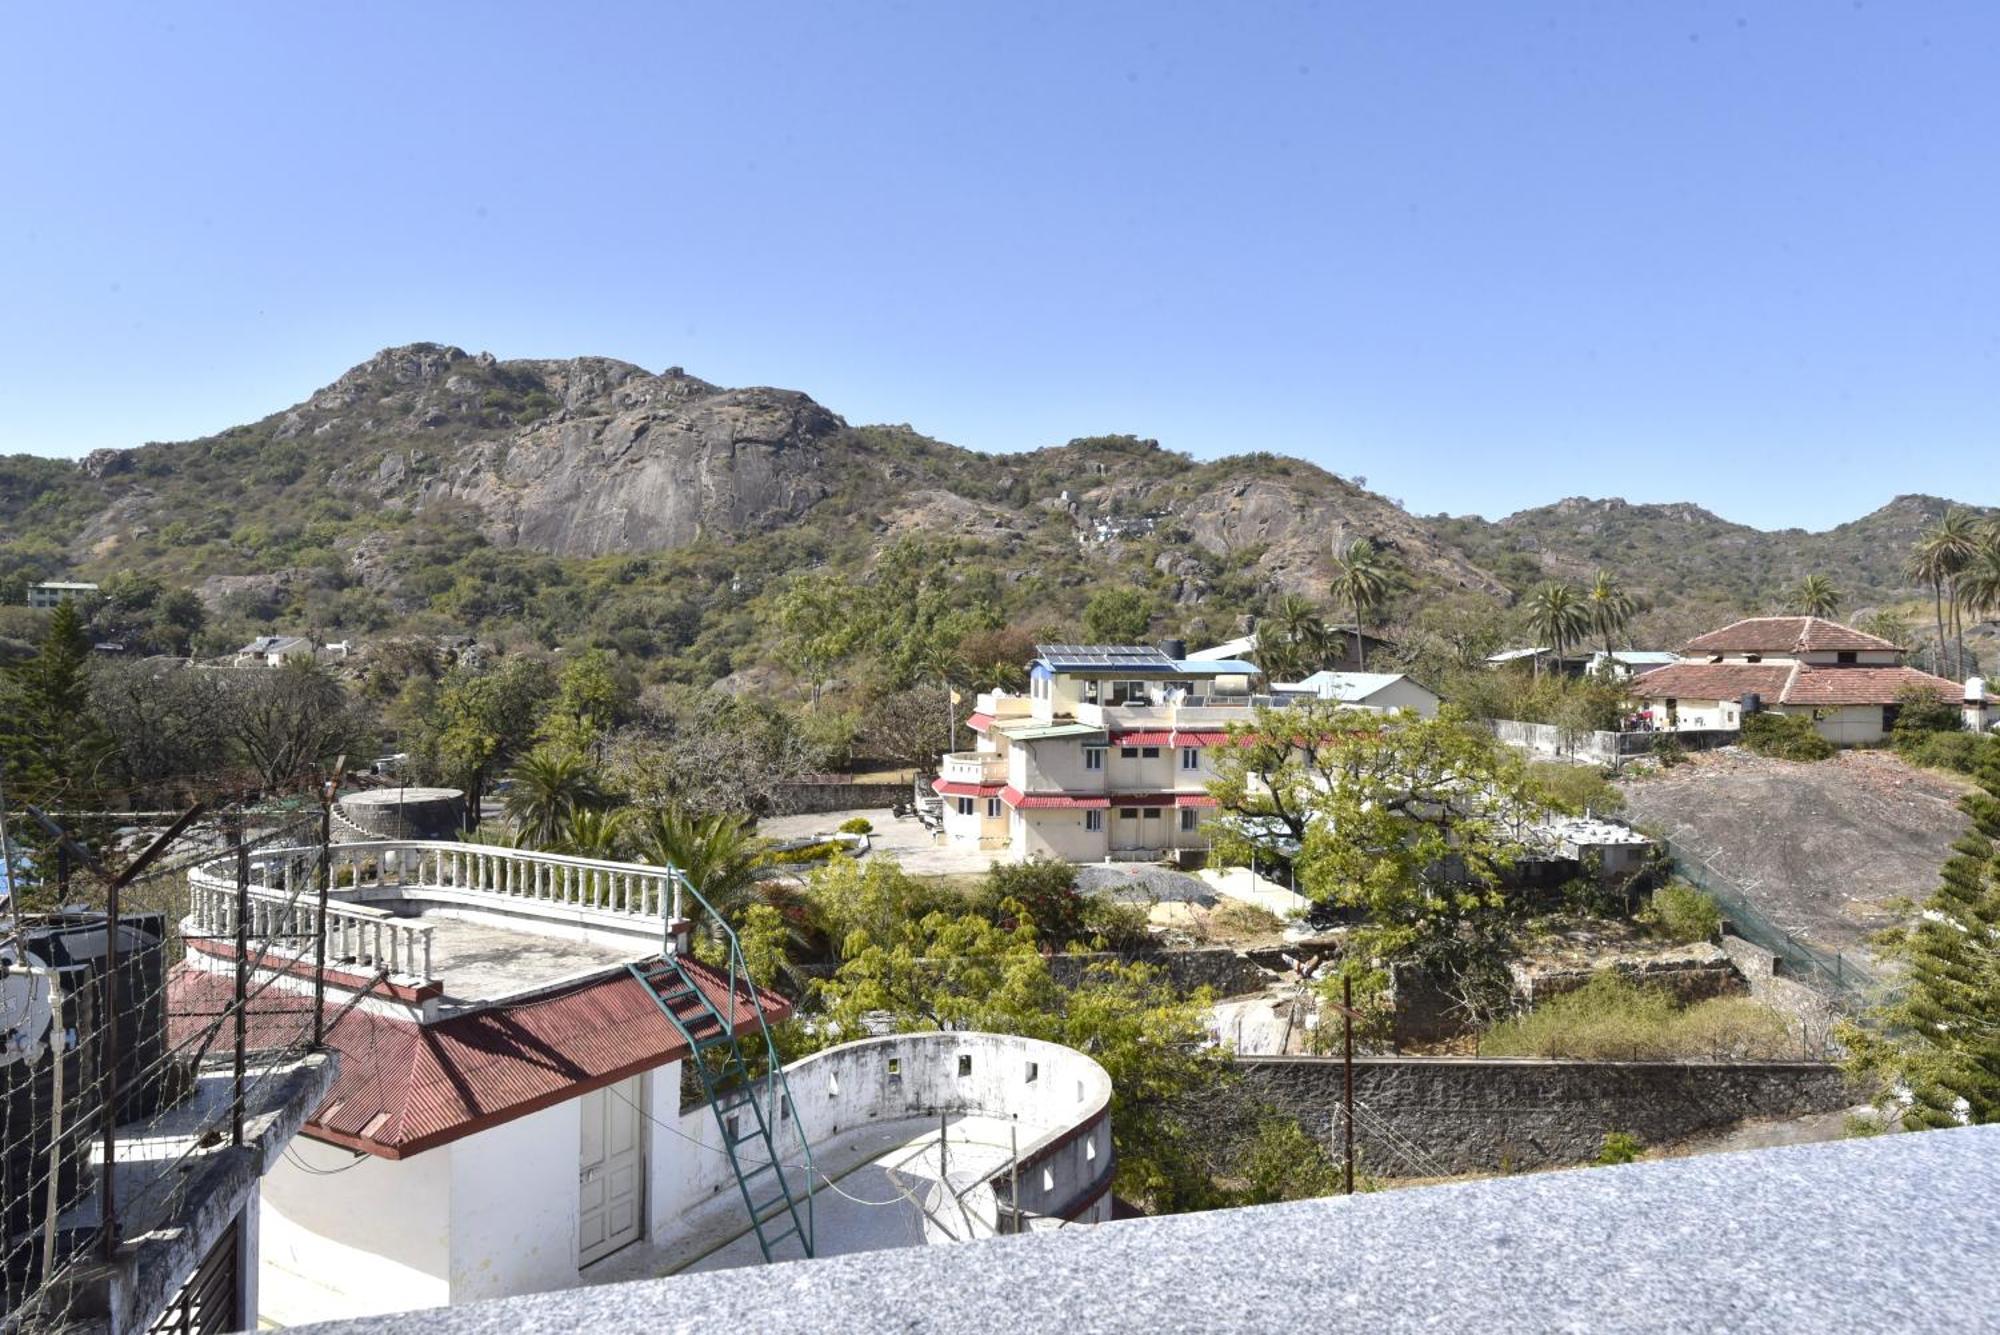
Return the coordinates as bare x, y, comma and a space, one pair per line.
1846, 981
136, 1041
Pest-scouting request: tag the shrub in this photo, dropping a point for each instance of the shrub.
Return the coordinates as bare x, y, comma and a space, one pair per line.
1667, 749
1040, 891
857, 825
1785, 737
1959, 752
1921, 711
1683, 914
1619, 1147
1576, 788
1613, 1019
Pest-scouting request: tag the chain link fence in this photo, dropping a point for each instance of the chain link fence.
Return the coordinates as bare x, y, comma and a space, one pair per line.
137, 1049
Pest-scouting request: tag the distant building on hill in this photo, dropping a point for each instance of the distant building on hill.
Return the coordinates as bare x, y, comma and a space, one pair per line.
51, 593
1851, 684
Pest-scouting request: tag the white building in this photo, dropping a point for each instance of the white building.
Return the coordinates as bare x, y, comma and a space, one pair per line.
1380, 692
54, 592
274, 651
1848, 682
508, 1115
1110, 754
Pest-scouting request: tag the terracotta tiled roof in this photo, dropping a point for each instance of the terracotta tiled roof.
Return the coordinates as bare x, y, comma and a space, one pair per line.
1864, 686
1712, 681
1784, 635
1175, 737
404, 1087
1789, 683
1014, 797
979, 722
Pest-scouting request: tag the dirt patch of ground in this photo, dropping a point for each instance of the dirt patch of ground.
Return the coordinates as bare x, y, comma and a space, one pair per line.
1821, 849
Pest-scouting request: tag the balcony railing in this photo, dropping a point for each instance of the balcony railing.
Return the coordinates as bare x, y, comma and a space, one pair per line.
974, 767
283, 898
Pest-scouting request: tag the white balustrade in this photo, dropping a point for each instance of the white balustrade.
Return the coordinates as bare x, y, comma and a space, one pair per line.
283, 903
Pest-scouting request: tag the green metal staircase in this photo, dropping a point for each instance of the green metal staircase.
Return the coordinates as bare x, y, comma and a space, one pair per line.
748, 1109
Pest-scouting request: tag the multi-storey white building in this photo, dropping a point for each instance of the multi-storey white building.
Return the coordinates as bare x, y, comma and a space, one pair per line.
1110, 753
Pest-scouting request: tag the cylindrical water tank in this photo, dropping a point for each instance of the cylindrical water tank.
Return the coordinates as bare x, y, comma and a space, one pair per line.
1975, 690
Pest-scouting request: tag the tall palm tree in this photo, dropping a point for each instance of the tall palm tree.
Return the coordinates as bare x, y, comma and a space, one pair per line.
1930, 564
1610, 607
719, 853
1360, 582
1978, 584
550, 785
1558, 615
1953, 543
1816, 597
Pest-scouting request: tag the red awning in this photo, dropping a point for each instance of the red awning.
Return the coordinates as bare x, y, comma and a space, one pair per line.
1014, 797
979, 722
1143, 739
954, 788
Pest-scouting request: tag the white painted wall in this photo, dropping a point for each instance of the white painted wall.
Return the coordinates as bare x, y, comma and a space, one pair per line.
356, 1237
514, 1205
1846, 725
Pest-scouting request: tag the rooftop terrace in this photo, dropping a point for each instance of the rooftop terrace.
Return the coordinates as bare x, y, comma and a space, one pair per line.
1891, 1233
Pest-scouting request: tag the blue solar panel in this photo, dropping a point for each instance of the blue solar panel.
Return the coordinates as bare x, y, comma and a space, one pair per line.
1115, 657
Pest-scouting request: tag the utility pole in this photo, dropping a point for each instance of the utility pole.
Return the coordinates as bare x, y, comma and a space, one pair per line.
1347, 1071
327, 795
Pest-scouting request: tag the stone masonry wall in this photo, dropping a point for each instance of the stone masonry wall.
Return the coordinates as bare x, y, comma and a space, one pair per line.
1470, 1115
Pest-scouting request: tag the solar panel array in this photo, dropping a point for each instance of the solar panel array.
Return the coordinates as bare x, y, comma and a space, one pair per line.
1067, 657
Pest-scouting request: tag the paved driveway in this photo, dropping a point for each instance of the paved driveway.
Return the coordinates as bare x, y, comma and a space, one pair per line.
902, 838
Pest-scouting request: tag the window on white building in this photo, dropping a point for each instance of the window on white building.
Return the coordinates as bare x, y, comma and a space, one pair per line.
1093, 821
1128, 753
1190, 758
1128, 813
993, 808
965, 806
1188, 820
1093, 757
1152, 813
1150, 752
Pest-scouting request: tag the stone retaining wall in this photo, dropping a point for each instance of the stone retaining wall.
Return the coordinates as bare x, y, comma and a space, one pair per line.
805, 799
1219, 967
1422, 1116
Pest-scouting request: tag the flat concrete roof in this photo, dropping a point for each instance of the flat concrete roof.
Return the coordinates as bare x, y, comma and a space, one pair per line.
479, 961
1894, 1232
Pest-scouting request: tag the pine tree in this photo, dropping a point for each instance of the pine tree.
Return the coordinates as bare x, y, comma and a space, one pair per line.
1938, 1046
51, 741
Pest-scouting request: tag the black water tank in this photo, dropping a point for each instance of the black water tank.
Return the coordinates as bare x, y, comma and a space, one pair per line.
1174, 649
1752, 702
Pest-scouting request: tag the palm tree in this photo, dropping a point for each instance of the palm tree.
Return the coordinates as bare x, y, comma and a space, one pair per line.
591, 833
1359, 581
1283, 636
719, 853
1930, 564
1556, 614
550, 785
1885, 625
1816, 596
1978, 584
1610, 608
1953, 542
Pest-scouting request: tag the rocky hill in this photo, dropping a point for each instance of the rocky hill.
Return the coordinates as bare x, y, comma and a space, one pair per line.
434, 484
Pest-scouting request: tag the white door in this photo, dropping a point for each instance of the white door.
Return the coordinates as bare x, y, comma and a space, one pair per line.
611, 1195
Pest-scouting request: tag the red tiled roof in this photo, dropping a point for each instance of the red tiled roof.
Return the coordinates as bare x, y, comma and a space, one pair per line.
979, 722
1865, 686
1789, 683
956, 788
403, 1087
1176, 737
1712, 681
1784, 635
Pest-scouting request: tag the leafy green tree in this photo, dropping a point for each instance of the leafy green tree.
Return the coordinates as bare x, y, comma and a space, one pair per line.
818, 617
1359, 581
1040, 892
473, 725
965, 972
51, 740
1816, 597
1939, 1040
1117, 615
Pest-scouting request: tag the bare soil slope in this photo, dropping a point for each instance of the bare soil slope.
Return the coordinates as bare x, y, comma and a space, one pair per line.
1821, 848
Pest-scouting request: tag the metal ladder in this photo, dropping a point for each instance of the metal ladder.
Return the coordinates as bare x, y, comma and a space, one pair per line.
731, 1091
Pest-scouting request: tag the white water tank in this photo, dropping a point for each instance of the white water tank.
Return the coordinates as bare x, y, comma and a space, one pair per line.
1975, 690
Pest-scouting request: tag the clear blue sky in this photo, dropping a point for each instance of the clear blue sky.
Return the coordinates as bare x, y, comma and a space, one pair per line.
1485, 254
